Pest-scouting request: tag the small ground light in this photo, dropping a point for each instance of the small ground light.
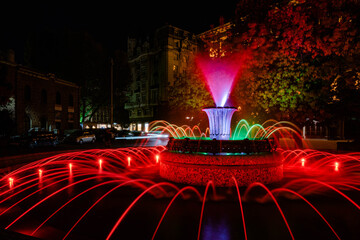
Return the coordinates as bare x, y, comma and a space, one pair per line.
11, 182
70, 167
303, 162
40, 173
157, 158
129, 160
336, 166
100, 163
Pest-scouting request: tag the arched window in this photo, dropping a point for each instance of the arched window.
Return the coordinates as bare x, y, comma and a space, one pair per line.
58, 98
27, 93
43, 96
71, 100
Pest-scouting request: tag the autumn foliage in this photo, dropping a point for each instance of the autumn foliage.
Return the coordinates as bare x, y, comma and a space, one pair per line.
305, 60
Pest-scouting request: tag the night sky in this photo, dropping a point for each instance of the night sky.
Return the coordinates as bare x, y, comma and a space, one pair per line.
109, 23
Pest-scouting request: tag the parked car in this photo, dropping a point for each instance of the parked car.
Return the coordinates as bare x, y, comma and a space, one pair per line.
124, 133
101, 134
138, 133
81, 137
35, 139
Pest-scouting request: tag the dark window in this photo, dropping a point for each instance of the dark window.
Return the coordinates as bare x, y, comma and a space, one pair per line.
43, 123
43, 96
58, 98
27, 93
27, 123
71, 100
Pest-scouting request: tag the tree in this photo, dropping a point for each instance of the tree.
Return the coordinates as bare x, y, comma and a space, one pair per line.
189, 94
301, 50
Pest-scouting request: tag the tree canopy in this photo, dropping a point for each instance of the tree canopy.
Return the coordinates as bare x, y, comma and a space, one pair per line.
305, 59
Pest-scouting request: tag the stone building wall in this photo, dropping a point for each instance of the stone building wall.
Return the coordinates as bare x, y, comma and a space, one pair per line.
42, 101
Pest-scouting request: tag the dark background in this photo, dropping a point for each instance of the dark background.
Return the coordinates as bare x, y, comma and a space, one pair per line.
109, 23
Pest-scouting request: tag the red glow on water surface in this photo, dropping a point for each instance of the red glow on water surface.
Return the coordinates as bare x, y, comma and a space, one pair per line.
220, 74
20, 204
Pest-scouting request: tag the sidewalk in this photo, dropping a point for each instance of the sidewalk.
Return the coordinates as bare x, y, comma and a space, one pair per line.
313, 143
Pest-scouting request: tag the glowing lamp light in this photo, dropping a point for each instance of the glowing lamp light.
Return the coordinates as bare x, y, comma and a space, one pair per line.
336, 166
70, 167
11, 182
303, 162
100, 163
129, 161
40, 173
157, 158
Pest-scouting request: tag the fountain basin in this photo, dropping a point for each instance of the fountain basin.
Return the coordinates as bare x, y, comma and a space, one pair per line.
198, 169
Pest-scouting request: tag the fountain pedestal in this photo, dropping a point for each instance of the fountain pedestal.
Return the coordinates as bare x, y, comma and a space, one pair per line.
220, 121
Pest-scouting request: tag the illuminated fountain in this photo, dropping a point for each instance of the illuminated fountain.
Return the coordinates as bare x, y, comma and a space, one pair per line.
198, 161
119, 193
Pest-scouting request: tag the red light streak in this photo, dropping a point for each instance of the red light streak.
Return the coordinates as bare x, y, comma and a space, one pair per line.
110, 191
171, 202
44, 199
33, 193
311, 205
241, 207
133, 203
319, 177
83, 192
275, 201
203, 205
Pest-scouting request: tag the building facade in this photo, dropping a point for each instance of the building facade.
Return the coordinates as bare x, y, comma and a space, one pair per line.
155, 64
40, 101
